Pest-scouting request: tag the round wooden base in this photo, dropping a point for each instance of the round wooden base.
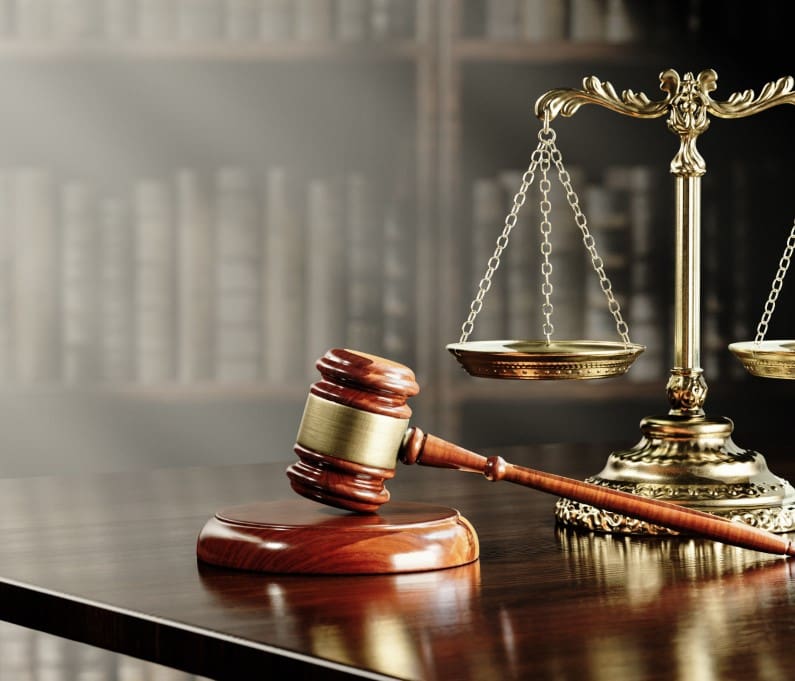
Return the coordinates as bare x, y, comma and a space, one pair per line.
301, 537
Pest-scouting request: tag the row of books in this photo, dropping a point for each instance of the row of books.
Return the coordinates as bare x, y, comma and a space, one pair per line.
222, 276
207, 20
624, 21
611, 21
629, 213
27, 655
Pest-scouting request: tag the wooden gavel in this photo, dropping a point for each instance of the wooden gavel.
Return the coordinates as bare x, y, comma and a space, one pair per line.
356, 426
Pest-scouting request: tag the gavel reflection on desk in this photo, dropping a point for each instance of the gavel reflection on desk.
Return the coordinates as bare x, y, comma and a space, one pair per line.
356, 426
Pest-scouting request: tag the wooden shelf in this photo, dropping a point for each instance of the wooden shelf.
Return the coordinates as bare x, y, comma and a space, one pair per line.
164, 392
283, 51
482, 50
210, 392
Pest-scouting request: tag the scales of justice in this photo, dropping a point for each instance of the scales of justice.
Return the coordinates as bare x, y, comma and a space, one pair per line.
355, 426
684, 456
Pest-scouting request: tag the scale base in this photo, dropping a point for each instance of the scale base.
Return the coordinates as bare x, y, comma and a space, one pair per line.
692, 461
301, 537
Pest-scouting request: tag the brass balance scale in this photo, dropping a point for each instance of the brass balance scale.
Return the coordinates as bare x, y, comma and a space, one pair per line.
683, 456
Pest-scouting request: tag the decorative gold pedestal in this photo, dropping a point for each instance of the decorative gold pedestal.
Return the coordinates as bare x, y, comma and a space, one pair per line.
690, 460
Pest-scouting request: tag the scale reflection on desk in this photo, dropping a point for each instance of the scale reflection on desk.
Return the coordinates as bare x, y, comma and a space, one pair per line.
683, 456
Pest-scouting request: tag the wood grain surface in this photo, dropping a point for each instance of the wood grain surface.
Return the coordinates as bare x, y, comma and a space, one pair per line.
110, 560
299, 536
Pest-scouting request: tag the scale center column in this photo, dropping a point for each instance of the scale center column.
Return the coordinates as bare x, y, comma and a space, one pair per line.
687, 389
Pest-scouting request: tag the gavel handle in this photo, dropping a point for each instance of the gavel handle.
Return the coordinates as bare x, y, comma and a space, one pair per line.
429, 450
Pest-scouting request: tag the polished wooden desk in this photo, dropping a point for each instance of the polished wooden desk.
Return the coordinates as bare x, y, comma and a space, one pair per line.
110, 560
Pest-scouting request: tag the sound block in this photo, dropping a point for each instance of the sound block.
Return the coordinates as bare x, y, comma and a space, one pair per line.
299, 536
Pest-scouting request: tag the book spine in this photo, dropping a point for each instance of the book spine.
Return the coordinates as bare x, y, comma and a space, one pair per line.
325, 293
6, 273
238, 300
79, 284
543, 20
392, 19
154, 282
75, 19
119, 19
117, 314
623, 22
282, 280
398, 282
569, 264
195, 278
381, 20
33, 19
644, 316
36, 275
587, 20
364, 249
241, 20
502, 19
6, 19
156, 19
488, 221
199, 19
351, 20
521, 262
275, 20
313, 19
608, 211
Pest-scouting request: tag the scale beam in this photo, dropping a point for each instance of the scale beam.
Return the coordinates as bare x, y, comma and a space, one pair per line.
687, 102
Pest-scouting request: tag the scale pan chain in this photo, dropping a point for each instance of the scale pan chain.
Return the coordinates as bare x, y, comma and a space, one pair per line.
545, 359
773, 358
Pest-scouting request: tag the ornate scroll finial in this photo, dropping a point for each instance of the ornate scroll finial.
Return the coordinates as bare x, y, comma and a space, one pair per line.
687, 103
566, 101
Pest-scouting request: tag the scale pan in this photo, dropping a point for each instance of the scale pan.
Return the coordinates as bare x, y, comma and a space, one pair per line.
539, 360
769, 359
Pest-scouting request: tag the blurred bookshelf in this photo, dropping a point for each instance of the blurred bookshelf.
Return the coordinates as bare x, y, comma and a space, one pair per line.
198, 197
190, 275
282, 50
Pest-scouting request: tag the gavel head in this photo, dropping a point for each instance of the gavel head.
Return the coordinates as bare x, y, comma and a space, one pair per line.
353, 426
